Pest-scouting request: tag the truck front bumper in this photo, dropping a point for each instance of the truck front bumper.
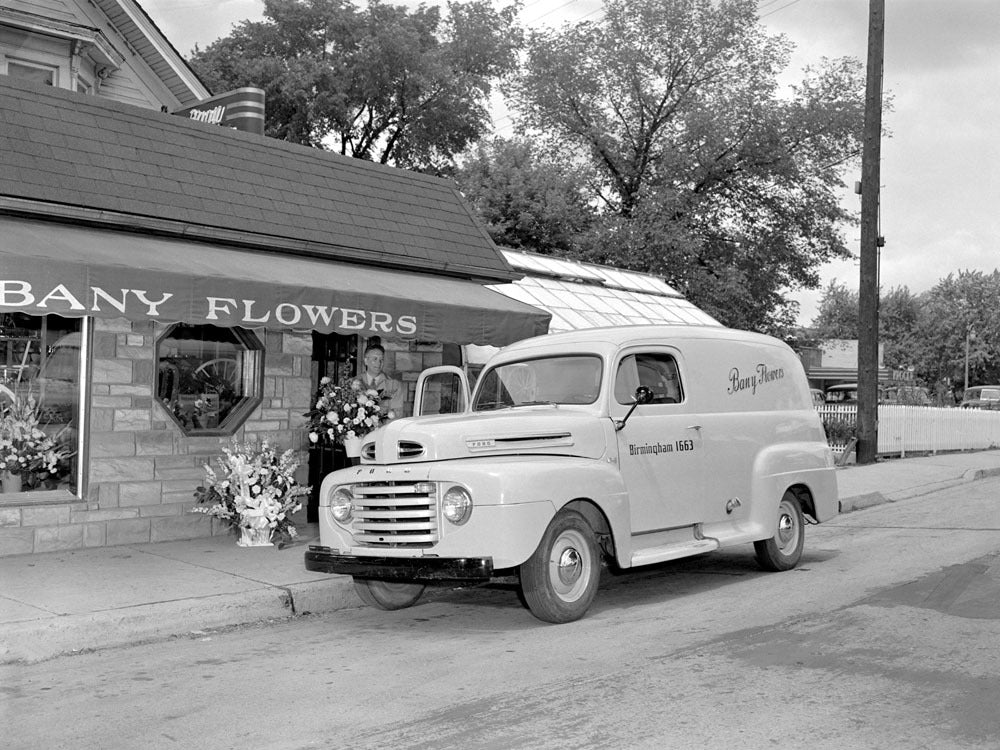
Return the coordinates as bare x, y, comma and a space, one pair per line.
470, 569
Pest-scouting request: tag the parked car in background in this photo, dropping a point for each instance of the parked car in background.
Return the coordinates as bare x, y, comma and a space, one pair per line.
818, 397
847, 393
981, 397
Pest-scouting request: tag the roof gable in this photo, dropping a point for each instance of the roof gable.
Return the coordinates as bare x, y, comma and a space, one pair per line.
136, 63
88, 159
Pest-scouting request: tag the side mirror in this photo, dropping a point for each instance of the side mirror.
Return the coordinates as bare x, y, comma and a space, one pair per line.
643, 395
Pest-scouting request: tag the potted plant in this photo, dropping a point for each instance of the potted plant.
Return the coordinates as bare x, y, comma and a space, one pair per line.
344, 413
254, 491
28, 455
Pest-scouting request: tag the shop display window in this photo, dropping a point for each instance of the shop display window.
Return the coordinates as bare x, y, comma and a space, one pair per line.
209, 379
40, 388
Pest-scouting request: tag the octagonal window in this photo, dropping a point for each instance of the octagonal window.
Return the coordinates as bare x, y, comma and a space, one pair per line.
209, 379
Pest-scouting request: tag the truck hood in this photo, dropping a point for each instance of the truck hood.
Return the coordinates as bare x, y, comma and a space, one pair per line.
525, 430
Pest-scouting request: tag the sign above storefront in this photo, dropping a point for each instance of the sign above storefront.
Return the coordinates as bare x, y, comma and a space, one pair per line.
242, 109
74, 271
21, 295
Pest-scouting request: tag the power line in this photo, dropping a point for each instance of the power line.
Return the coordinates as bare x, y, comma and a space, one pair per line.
771, 13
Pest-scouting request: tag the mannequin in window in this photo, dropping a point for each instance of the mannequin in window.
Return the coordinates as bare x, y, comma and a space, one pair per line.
391, 390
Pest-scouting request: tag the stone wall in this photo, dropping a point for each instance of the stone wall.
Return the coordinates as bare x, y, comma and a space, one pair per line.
142, 469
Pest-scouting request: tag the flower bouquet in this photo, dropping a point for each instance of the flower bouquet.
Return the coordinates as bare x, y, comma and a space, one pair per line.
344, 411
27, 453
255, 492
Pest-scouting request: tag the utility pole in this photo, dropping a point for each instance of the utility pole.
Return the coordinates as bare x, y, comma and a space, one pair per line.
870, 242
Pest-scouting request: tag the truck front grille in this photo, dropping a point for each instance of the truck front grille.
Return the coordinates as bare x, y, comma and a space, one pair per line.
395, 514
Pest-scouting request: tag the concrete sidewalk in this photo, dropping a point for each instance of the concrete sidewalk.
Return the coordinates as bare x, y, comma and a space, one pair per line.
78, 600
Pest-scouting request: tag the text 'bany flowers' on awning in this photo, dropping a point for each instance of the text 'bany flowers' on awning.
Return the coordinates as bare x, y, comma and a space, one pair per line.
75, 271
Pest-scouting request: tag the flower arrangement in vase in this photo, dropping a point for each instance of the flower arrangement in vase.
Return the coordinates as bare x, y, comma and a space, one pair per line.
28, 455
345, 411
254, 491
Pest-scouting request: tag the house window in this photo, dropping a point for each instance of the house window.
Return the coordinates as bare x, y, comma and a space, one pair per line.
35, 72
40, 390
209, 379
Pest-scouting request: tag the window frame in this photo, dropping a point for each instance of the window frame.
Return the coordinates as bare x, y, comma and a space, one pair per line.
34, 65
667, 358
242, 409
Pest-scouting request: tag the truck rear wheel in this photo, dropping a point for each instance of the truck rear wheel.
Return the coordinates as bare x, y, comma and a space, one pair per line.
388, 595
559, 580
783, 550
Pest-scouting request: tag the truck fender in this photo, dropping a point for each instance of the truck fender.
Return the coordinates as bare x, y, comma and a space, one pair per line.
594, 489
806, 467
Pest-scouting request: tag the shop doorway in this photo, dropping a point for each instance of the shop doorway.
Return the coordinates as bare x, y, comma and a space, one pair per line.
336, 357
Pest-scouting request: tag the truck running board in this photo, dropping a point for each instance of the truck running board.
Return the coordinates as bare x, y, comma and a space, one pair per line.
675, 551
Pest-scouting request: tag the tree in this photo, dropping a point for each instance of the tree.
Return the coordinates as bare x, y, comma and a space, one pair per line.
526, 201
837, 316
383, 84
899, 311
705, 174
958, 309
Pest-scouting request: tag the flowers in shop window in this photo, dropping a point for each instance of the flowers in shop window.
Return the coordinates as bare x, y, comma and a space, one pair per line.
254, 490
26, 450
345, 410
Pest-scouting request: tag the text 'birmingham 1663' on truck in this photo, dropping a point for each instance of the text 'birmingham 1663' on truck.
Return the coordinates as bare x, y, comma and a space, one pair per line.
627, 446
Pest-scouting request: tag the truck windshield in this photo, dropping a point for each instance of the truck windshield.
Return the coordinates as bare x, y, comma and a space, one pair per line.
573, 379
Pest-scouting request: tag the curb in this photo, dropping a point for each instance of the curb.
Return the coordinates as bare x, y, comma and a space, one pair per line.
41, 639
871, 499
860, 502
973, 474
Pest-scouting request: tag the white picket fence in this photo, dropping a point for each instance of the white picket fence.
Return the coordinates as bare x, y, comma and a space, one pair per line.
903, 429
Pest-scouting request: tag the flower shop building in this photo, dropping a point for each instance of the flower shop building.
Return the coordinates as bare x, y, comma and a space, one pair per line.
167, 285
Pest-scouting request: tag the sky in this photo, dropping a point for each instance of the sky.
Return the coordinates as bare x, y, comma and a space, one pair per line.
940, 196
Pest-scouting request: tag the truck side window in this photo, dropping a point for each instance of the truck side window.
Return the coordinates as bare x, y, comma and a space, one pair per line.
658, 372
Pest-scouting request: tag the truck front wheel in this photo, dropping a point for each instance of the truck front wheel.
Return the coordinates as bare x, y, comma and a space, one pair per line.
783, 550
388, 595
559, 580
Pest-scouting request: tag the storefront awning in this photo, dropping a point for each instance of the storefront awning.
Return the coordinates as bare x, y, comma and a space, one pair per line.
50, 268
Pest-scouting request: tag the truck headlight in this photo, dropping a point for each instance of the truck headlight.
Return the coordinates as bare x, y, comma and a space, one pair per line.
342, 504
456, 505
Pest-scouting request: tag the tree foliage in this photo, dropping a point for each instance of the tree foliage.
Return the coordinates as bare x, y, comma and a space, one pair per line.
526, 201
899, 312
705, 173
837, 315
960, 308
383, 83
899, 309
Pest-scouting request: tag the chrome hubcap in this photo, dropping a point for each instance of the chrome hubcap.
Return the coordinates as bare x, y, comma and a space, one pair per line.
570, 566
788, 531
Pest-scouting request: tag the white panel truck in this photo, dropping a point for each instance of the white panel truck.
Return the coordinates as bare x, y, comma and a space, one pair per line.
621, 446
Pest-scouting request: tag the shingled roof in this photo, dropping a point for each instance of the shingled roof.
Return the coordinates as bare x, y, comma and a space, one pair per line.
79, 158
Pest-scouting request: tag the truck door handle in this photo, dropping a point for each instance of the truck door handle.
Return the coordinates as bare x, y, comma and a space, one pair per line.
694, 426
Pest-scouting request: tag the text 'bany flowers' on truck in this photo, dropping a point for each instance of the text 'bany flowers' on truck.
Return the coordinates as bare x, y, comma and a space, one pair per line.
627, 446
